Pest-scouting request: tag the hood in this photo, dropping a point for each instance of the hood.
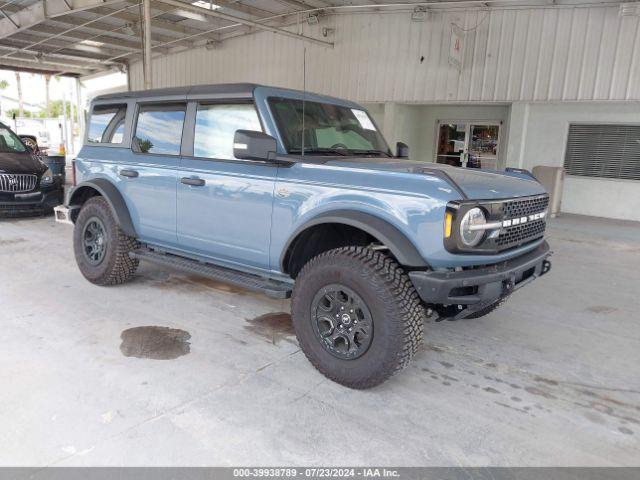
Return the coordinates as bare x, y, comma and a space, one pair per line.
474, 183
21, 163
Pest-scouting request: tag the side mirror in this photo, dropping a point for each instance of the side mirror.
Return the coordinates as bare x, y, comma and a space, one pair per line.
252, 145
402, 150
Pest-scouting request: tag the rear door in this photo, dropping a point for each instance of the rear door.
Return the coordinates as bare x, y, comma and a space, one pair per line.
149, 173
224, 204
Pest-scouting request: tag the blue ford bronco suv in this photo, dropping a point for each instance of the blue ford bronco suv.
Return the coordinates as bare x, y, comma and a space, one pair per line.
296, 194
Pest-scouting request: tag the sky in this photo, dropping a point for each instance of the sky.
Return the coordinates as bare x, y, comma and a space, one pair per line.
33, 86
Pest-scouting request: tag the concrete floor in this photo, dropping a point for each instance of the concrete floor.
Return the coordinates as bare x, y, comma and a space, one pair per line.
550, 379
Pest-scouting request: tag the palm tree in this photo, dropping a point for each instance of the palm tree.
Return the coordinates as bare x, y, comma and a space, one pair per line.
20, 101
3, 86
47, 79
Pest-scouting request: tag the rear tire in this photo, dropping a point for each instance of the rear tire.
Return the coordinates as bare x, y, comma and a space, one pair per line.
101, 247
385, 302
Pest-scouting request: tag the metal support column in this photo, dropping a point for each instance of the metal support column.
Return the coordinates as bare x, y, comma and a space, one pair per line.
80, 111
65, 132
146, 13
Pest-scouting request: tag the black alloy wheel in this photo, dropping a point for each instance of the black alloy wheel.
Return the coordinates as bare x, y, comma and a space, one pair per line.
94, 241
342, 321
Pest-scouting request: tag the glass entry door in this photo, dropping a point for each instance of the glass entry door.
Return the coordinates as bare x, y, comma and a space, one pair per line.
467, 144
483, 146
452, 143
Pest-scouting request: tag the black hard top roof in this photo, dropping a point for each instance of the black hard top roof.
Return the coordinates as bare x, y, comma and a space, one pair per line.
223, 89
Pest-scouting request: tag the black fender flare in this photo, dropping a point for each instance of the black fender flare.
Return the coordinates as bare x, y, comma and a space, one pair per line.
113, 197
400, 246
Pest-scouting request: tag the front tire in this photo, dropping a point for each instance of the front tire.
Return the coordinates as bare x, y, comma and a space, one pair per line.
101, 247
357, 316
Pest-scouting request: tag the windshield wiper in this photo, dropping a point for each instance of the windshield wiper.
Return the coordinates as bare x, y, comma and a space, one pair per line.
370, 152
326, 151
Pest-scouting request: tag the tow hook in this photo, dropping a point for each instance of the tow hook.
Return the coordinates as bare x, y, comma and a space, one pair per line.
509, 284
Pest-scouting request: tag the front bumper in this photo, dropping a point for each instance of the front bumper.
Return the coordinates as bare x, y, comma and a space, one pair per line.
481, 286
30, 204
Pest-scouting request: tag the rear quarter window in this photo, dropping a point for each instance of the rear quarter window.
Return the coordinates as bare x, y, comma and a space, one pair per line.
106, 124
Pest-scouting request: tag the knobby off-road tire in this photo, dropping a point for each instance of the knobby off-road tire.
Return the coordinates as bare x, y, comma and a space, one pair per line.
113, 265
389, 299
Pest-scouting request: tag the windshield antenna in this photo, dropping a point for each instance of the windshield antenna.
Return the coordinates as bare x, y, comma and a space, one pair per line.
304, 90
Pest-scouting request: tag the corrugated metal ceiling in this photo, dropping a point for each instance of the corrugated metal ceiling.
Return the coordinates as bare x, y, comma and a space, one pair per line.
86, 36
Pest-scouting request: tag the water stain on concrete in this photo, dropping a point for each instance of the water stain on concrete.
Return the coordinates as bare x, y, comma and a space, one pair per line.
446, 364
11, 241
491, 390
435, 348
539, 392
594, 417
609, 411
272, 326
625, 430
194, 282
209, 283
510, 407
155, 343
236, 340
601, 309
548, 381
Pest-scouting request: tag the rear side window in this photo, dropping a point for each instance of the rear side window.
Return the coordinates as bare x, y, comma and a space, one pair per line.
216, 126
107, 124
159, 129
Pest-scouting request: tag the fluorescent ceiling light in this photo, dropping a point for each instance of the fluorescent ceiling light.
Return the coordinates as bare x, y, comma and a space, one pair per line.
92, 43
204, 4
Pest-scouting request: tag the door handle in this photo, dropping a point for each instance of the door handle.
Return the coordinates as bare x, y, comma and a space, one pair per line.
194, 182
129, 173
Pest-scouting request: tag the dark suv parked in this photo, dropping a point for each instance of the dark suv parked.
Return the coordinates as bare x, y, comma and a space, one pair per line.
27, 185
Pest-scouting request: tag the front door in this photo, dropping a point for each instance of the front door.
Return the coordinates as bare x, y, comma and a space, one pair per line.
224, 204
468, 144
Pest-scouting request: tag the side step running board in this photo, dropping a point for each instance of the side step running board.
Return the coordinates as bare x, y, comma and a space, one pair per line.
271, 288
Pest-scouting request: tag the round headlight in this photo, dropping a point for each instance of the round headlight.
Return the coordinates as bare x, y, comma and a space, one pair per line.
470, 237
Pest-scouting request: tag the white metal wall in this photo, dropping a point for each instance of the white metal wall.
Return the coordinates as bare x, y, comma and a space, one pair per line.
516, 54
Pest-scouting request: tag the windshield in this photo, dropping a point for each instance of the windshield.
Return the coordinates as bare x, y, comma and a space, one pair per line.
328, 129
9, 142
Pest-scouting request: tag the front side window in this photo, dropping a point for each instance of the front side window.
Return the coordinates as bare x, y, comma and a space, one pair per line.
216, 126
326, 128
159, 129
9, 142
107, 124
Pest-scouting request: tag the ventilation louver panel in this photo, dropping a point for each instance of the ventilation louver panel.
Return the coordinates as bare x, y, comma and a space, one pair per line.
604, 151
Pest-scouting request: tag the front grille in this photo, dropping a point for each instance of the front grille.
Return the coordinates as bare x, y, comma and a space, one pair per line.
525, 232
519, 234
17, 183
521, 208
